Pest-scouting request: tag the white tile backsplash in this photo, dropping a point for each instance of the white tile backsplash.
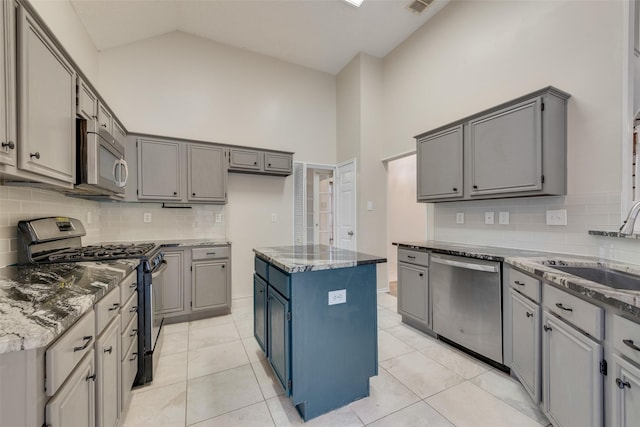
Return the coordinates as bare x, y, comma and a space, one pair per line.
527, 227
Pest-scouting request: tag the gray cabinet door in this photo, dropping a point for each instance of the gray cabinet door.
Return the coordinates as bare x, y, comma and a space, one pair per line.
573, 385
108, 376
626, 399
74, 403
207, 173
159, 169
440, 165
209, 285
119, 134
47, 127
8, 141
105, 118
413, 292
260, 311
172, 286
279, 339
87, 101
245, 159
278, 163
525, 329
505, 150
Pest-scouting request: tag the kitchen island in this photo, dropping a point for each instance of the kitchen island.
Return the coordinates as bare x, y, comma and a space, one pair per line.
315, 318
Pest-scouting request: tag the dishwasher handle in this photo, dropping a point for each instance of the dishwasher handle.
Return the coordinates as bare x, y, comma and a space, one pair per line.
466, 265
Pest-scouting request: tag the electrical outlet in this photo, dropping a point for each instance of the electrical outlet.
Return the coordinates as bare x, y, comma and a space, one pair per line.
147, 217
369, 205
488, 217
503, 218
338, 297
460, 218
557, 217
274, 217
218, 217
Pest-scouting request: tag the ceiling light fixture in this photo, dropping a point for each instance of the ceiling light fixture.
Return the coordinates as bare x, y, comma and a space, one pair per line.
355, 3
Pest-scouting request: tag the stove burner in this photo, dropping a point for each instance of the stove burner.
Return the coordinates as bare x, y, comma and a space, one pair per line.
99, 252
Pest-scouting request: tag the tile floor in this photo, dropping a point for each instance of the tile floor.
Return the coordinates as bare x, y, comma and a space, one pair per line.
212, 373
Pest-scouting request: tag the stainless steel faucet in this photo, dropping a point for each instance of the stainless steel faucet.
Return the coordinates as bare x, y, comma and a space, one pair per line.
629, 223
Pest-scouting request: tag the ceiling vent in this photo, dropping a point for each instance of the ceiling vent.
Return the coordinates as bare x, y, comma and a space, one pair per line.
418, 6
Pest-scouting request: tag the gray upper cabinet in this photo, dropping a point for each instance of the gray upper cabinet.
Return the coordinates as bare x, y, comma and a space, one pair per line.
440, 164
249, 160
8, 141
512, 150
207, 173
105, 118
119, 133
243, 159
159, 170
87, 101
506, 149
47, 104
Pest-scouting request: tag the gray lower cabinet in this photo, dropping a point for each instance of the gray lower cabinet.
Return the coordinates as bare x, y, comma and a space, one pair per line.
260, 312
626, 398
413, 292
209, 285
573, 384
207, 175
8, 141
171, 289
440, 165
108, 376
159, 170
74, 403
47, 104
279, 343
525, 333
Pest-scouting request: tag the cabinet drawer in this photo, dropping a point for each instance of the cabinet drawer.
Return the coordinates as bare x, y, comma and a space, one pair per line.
129, 310
261, 268
626, 337
413, 257
67, 351
129, 335
582, 314
524, 284
128, 286
210, 253
280, 281
106, 309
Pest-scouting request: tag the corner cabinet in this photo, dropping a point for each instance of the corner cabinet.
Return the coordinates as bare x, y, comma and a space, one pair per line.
47, 104
512, 150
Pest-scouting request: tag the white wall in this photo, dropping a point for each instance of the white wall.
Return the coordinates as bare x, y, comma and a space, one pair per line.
184, 86
65, 24
474, 55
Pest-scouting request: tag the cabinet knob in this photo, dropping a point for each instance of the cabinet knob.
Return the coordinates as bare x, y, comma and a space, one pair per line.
134, 356
622, 384
104, 125
36, 155
108, 350
175, 193
114, 307
421, 274
629, 343
255, 163
547, 328
269, 164
87, 340
455, 189
193, 194
475, 187
529, 314
9, 144
222, 265
133, 333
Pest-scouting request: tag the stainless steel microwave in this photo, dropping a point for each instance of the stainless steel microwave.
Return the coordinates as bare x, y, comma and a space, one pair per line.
101, 167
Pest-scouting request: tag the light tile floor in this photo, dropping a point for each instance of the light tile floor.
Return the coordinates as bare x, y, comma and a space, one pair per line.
212, 373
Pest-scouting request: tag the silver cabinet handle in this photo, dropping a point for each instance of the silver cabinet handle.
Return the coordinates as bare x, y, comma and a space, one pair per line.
87, 339
622, 384
629, 343
519, 283
467, 265
562, 307
108, 350
36, 155
9, 144
114, 307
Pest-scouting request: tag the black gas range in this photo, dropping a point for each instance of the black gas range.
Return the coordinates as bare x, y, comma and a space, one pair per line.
58, 240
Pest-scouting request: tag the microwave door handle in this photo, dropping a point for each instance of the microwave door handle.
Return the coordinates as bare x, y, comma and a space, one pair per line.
116, 179
125, 169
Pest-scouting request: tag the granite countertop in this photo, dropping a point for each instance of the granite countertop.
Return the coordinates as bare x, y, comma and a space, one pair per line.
300, 258
169, 243
541, 264
40, 302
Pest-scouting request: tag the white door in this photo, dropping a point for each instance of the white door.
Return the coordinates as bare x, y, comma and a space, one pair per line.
346, 205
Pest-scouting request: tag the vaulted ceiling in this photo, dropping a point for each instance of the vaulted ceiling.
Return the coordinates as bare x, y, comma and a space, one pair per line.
319, 34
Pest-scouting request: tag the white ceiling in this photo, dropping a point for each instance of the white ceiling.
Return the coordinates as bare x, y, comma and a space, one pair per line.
320, 34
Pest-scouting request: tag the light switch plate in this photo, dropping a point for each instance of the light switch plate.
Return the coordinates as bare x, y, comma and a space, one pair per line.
369, 205
503, 218
338, 297
460, 218
557, 217
488, 217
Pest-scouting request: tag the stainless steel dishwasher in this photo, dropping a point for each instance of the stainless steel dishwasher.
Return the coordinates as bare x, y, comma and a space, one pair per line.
467, 303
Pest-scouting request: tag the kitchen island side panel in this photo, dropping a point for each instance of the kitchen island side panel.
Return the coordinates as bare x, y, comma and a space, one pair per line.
334, 348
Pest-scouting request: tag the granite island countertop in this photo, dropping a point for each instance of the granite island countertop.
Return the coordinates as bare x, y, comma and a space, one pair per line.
540, 264
301, 258
38, 303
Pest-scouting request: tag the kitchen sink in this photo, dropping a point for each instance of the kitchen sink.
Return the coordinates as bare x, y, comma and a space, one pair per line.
605, 276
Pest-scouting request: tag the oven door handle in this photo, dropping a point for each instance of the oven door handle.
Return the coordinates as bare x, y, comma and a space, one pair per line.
466, 265
159, 270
